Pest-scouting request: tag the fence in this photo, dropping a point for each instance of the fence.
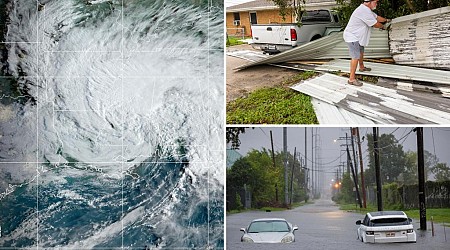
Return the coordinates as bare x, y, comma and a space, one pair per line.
236, 32
437, 195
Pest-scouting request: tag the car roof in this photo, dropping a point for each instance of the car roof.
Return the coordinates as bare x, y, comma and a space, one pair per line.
269, 219
387, 214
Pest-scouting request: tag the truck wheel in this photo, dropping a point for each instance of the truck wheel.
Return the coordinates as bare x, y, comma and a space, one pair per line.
315, 37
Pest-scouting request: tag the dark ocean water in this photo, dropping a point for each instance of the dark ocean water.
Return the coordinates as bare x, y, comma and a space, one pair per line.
110, 121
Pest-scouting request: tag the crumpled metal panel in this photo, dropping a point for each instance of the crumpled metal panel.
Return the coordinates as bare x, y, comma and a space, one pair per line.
422, 39
248, 55
391, 71
328, 114
379, 104
330, 47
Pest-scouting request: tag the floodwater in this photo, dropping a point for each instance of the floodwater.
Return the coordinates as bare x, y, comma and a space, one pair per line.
323, 226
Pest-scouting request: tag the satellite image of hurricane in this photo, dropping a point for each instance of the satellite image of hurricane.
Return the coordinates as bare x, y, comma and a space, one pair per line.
111, 124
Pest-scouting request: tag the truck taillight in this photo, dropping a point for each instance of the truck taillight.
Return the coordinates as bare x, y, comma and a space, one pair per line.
293, 35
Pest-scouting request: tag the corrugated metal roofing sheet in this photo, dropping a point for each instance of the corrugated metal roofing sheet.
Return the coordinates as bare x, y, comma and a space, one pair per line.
392, 71
330, 47
379, 104
422, 39
328, 114
248, 55
408, 86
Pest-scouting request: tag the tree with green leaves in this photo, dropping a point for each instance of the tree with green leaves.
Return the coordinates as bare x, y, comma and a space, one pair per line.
410, 175
392, 159
264, 179
346, 193
441, 172
232, 136
389, 8
290, 7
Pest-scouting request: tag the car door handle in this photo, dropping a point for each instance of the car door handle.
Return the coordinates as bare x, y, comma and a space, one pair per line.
269, 28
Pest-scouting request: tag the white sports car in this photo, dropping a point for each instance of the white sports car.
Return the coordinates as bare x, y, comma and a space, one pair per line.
269, 230
386, 226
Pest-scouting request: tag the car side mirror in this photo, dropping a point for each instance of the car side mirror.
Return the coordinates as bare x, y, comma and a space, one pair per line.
294, 228
358, 222
410, 220
243, 230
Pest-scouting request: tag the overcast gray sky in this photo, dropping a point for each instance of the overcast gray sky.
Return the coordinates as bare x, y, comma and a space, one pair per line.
436, 141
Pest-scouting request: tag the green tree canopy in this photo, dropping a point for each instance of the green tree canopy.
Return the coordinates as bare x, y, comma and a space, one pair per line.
392, 159
441, 171
389, 8
264, 179
410, 175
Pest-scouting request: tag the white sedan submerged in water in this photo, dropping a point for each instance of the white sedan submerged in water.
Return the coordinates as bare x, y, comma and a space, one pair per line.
386, 226
269, 230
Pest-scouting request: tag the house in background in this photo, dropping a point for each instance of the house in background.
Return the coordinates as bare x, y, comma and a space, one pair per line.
241, 16
232, 157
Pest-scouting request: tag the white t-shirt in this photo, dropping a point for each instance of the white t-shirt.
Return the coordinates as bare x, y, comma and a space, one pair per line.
360, 25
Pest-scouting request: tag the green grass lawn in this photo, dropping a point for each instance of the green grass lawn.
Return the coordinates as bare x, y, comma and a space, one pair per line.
440, 215
276, 105
231, 41
270, 209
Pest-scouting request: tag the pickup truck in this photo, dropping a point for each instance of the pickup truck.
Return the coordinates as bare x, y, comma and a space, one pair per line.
274, 38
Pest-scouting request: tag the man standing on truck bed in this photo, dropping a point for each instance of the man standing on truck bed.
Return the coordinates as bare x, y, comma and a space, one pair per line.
357, 35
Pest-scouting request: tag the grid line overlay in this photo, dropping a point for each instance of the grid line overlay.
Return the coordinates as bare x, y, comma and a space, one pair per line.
123, 118
37, 127
209, 122
41, 78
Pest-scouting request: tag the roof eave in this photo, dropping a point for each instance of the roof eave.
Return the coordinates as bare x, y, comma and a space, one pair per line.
308, 6
252, 9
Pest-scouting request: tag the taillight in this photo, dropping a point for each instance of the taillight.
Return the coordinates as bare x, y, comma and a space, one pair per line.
369, 232
293, 35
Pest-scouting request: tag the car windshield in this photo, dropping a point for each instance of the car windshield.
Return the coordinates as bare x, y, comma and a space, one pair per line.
389, 222
268, 226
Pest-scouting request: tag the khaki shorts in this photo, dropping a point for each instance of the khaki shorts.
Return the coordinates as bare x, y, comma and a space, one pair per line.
355, 50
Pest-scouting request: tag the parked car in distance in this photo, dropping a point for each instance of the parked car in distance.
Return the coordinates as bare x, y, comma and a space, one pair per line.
269, 230
386, 226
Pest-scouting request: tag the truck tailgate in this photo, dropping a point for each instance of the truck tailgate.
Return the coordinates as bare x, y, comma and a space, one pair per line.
272, 34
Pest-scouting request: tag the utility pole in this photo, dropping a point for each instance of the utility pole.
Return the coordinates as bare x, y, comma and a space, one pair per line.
421, 172
286, 191
346, 143
316, 161
355, 179
312, 164
377, 169
354, 153
306, 157
273, 158
292, 177
362, 169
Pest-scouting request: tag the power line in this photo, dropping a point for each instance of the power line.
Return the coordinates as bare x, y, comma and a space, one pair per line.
447, 130
434, 147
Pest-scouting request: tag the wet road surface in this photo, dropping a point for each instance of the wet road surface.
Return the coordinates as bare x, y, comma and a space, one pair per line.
323, 226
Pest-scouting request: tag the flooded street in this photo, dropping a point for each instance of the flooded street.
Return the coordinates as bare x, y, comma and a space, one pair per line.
323, 226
